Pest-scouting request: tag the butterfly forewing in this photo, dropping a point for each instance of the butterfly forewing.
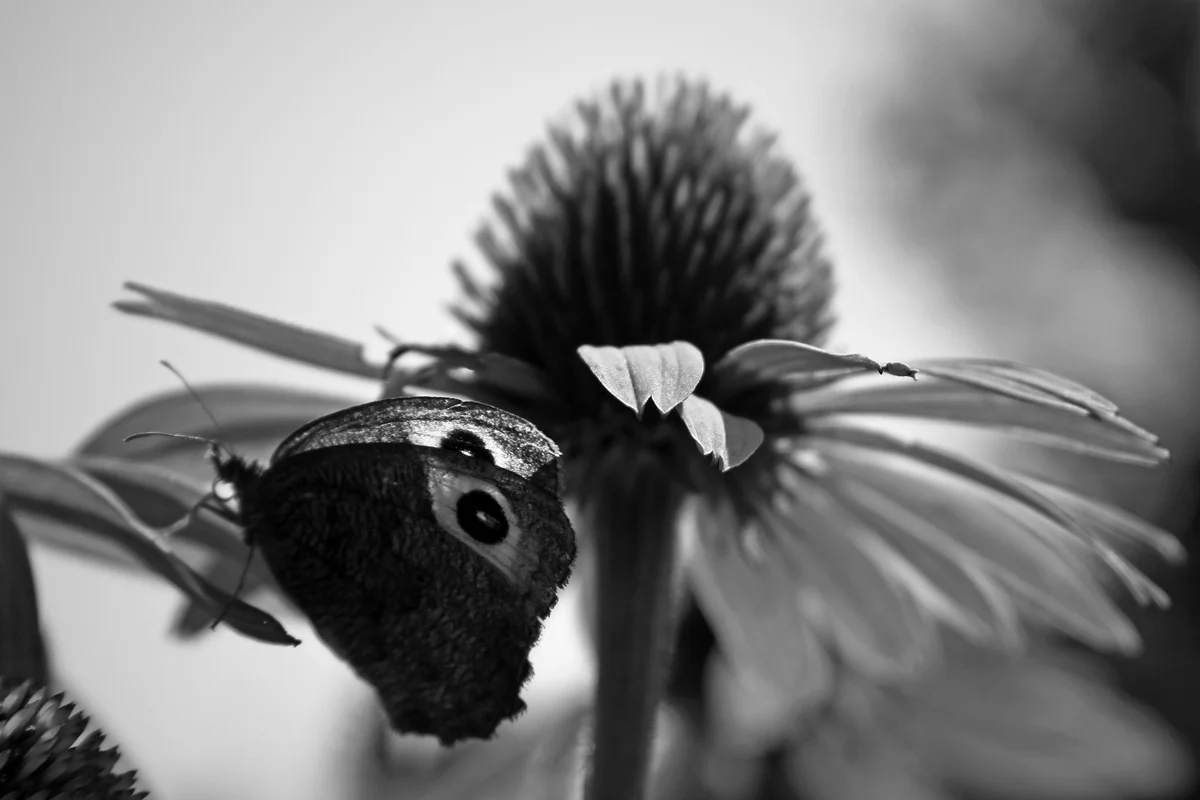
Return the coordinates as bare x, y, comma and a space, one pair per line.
476, 429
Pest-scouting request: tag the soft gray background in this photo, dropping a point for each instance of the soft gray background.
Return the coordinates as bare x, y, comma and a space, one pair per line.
323, 163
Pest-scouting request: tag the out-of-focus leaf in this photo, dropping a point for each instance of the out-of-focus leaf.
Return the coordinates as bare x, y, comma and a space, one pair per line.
22, 652
728, 438
254, 330
159, 497
246, 412
664, 373
68, 494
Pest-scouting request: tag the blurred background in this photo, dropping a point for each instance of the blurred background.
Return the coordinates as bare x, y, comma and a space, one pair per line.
1016, 180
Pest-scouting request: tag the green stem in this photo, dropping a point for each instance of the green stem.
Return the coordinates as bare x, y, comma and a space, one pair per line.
637, 548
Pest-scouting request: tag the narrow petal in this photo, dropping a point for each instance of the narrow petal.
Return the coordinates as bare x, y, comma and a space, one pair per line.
69, 495
728, 438
800, 365
846, 583
503, 374
957, 590
1010, 487
664, 373
22, 652
1022, 550
254, 330
751, 601
1109, 521
244, 412
1018, 373
943, 401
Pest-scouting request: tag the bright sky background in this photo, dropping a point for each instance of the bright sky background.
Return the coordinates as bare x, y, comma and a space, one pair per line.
323, 163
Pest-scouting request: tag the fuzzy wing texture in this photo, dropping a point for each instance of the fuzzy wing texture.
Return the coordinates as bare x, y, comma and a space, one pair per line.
508, 441
351, 535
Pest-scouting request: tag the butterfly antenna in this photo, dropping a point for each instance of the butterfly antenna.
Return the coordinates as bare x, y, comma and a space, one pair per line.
193, 393
236, 590
185, 436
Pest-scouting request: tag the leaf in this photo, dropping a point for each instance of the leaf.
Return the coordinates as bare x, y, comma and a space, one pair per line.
767, 361
728, 438
246, 412
22, 652
1024, 551
68, 494
254, 330
942, 401
664, 373
753, 608
1010, 487
160, 497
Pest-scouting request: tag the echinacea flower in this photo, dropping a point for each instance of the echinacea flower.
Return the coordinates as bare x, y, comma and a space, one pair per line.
659, 302
44, 752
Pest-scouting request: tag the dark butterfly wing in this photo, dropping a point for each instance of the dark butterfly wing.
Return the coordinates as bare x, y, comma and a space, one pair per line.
475, 429
373, 542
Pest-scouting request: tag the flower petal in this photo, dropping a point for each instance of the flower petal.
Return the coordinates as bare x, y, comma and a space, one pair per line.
254, 330
846, 582
942, 401
956, 589
498, 372
753, 608
1022, 550
69, 495
800, 365
730, 439
246, 413
664, 373
22, 652
1012, 488
1042, 727
1013, 372
1112, 522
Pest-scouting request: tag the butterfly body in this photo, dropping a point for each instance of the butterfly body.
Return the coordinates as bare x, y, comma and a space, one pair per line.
426, 541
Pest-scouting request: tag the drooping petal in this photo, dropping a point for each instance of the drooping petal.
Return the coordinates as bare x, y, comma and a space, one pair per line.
752, 602
498, 373
22, 652
1021, 549
1119, 526
1011, 488
728, 438
847, 589
955, 588
800, 366
248, 414
254, 330
1013, 375
942, 401
69, 495
664, 373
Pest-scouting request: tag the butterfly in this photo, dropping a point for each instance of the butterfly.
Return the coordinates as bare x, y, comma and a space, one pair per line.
426, 541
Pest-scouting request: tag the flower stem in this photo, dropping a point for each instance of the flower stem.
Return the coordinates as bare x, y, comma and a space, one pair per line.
637, 550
